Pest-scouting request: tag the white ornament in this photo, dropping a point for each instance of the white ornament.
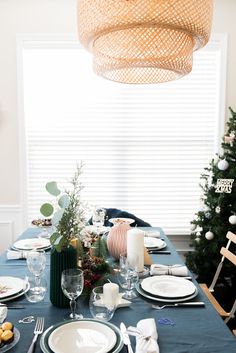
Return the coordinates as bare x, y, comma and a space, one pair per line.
223, 164
209, 235
217, 209
207, 215
197, 239
232, 219
193, 227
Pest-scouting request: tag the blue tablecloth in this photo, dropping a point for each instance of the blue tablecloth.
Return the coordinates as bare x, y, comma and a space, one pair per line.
195, 330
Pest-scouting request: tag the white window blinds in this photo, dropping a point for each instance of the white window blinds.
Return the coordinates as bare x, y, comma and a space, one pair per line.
143, 146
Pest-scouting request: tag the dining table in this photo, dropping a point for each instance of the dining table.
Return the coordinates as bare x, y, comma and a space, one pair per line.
180, 329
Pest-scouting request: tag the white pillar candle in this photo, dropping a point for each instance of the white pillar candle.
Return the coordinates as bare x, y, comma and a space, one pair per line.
135, 248
110, 294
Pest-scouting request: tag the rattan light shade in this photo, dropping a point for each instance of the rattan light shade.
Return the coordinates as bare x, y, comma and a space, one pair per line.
143, 41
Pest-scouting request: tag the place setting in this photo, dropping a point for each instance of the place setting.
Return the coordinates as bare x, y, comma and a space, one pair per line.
75, 333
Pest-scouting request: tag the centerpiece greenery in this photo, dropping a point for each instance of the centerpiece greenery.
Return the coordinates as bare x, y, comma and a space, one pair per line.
68, 219
67, 212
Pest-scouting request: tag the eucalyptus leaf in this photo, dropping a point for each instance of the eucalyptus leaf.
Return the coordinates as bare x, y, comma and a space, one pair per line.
64, 201
52, 188
57, 217
54, 237
46, 209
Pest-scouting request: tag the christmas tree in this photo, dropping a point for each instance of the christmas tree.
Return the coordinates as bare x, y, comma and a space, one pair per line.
218, 212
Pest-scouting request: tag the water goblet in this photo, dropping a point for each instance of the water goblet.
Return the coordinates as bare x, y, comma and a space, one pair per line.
98, 308
98, 218
72, 284
36, 262
35, 292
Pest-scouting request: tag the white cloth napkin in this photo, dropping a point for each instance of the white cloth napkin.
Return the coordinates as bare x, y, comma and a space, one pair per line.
14, 255
146, 336
174, 270
3, 313
154, 234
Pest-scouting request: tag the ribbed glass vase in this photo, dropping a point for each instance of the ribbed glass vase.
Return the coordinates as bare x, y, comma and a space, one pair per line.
60, 261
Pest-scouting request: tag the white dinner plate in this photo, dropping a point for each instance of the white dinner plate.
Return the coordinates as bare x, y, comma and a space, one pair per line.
164, 300
17, 295
82, 336
32, 243
168, 286
156, 243
46, 334
10, 286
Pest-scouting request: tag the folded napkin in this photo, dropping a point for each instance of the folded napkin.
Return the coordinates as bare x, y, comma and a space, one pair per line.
146, 336
174, 270
154, 234
3, 313
14, 255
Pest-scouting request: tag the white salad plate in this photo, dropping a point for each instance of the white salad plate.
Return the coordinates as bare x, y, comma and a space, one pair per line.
82, 336
32, 243
10, 286
164, 300
156, 243
168, 286
121, 220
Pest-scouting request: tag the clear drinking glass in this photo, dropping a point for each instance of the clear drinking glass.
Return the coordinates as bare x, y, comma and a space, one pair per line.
128, 277
72, 284
98, 309
36, 262
35, 292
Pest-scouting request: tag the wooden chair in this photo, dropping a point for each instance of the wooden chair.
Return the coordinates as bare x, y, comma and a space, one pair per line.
226, 254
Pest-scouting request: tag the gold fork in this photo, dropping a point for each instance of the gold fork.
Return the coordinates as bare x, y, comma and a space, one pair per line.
39, 326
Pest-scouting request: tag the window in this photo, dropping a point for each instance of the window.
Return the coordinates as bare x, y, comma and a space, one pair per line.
143, 146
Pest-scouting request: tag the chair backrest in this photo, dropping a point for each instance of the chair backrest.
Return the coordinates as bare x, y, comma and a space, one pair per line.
226, 254
225, 251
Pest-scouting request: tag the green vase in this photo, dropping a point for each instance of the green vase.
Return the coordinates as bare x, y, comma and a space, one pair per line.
60, 261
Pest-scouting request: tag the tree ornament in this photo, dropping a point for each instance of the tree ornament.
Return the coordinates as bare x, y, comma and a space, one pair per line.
208, 215
232, 219
230, 139
193, 227
197, 239
209, 235
224, 185
223, 164
218, 209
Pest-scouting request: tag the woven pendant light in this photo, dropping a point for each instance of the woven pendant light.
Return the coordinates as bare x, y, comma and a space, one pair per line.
143, 41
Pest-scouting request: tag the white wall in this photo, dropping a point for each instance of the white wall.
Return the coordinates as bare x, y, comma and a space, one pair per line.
57, 16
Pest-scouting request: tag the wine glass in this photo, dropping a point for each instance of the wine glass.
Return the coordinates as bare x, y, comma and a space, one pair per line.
98, 218
36, 262
72, 284
128, 277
